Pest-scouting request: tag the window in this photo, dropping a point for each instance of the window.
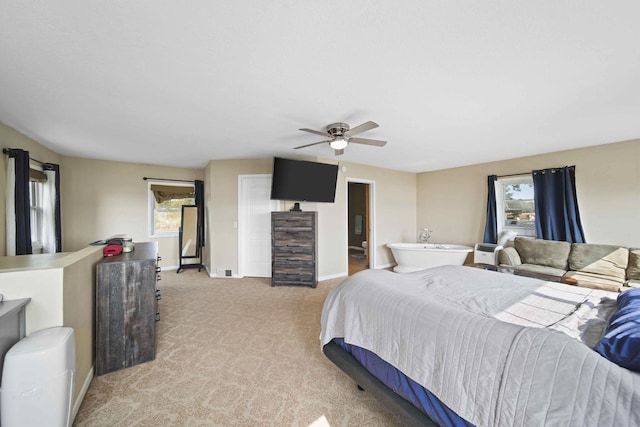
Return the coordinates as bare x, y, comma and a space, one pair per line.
165, 207
515, 205
36, 191
37, 180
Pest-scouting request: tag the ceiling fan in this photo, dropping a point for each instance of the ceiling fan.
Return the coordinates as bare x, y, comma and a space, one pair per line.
340, 135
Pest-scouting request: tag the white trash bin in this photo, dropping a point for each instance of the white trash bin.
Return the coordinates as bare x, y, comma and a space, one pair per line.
37, 380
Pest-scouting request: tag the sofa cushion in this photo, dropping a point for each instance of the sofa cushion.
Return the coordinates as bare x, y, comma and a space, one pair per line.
543, 269
596, 281
509, 256
633, 269
543, 252
608, 260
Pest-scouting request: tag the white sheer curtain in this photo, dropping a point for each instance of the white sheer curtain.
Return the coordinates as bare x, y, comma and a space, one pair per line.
10, 194
49, 214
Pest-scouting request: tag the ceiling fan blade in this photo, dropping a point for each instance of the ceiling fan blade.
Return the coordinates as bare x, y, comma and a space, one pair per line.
316, 132
362, 128
366, 141
309, 145
339, 152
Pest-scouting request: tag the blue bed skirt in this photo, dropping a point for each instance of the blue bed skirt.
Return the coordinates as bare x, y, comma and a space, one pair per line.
405, 387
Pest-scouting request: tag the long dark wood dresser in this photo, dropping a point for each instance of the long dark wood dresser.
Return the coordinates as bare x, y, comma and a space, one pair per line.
127, 308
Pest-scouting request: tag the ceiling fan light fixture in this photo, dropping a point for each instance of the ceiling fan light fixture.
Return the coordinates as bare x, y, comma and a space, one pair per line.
339, 143
339, 135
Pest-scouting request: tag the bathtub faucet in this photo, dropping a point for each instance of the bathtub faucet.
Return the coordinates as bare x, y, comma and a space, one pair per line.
424, 235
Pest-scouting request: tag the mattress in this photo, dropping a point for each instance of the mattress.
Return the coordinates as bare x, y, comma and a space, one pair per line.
405, 387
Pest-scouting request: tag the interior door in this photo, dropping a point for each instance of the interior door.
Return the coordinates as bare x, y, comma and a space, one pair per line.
254, 225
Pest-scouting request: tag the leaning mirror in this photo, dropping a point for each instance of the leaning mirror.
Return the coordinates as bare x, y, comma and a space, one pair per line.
189, 242
189, 230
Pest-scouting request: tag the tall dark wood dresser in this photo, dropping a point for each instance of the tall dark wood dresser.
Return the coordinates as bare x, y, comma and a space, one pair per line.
293, 248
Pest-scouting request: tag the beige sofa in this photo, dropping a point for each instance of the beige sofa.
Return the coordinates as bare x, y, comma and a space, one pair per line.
607, 267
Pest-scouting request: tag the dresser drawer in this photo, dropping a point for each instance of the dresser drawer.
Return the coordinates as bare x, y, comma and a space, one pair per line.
292, 276
292, 257
297, 249
289, 220
292, 238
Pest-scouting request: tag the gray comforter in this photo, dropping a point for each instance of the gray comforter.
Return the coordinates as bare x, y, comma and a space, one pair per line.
500, 350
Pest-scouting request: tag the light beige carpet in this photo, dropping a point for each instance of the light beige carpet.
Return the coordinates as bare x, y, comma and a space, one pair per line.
233, 352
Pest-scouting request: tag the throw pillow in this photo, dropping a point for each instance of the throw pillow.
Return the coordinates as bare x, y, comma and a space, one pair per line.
543, 252
607, 260
621, 342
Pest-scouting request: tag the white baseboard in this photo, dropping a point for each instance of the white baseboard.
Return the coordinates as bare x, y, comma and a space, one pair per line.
237, 276
332, 276
81, 394
383, 266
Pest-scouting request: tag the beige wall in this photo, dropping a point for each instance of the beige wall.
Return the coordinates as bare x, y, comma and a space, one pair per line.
393, 216
98, 198
452, 202
80, 314
11, 138
221, 178
394, 213
102, 198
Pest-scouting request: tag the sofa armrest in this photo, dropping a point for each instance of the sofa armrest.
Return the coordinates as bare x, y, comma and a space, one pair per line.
632, 283
509, 256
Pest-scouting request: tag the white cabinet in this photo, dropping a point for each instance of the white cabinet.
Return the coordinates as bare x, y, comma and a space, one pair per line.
486, 253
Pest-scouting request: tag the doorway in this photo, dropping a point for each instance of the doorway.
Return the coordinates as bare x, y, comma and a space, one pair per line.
359, 223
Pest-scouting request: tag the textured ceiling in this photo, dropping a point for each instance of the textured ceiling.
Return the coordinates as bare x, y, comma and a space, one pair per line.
450, 83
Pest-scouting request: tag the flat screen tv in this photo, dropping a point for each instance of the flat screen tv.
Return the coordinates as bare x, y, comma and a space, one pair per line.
303, 181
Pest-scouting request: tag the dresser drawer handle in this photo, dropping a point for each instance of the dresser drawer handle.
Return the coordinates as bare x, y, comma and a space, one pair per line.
157, 317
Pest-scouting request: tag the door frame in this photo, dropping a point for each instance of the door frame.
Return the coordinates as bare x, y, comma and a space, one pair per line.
370, 222
243, 218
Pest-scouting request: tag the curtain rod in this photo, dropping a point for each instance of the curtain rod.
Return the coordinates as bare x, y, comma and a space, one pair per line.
514, 174
9, 152
167, 179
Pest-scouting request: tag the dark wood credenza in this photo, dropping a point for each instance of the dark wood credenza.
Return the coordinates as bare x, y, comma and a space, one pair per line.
127, 308
293, 248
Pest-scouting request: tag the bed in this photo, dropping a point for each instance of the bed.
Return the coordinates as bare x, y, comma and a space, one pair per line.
455, 345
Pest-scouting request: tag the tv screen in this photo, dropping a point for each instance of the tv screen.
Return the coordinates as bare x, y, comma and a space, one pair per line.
303, 181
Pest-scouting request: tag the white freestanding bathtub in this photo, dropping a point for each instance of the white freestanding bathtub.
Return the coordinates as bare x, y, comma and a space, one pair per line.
418, 256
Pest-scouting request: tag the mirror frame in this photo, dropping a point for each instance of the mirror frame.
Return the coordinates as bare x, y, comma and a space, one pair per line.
193, 228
